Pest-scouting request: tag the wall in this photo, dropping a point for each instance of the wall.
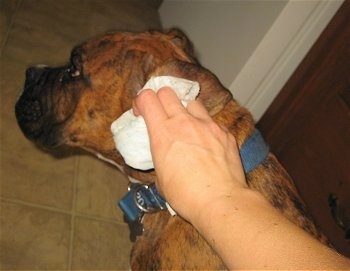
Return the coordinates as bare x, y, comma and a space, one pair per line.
252, 46
223, 32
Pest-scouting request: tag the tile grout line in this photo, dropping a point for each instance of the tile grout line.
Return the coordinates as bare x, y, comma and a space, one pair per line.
60, 211
35, 205
13, 18
73, 214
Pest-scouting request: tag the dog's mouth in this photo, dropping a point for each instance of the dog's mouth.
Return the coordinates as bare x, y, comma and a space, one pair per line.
39, 110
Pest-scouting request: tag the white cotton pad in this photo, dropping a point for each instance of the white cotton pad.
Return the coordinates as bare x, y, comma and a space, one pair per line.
130, 132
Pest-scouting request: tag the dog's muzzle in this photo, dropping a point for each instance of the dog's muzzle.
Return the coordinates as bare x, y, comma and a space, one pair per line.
29, 108
33, 107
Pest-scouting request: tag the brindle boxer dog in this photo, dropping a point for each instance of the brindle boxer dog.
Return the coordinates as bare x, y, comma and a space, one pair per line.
75, 105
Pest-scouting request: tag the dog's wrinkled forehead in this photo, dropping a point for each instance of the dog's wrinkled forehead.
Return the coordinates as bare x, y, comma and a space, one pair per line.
125, 59
115, 48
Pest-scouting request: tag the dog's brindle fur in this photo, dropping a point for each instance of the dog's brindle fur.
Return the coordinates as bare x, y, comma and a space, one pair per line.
75, 105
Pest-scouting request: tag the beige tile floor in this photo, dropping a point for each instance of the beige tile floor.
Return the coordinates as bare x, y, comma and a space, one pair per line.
58, 212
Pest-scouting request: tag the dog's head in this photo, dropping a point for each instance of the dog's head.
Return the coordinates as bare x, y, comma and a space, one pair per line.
75, 104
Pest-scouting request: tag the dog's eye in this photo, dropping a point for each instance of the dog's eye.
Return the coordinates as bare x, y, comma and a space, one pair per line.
74, 67
69, 73
76, 63
73, 71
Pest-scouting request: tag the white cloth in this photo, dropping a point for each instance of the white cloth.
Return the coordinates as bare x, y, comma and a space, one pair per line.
130, 132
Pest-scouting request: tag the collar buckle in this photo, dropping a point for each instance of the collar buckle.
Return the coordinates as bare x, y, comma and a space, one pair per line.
141, 199
146, 198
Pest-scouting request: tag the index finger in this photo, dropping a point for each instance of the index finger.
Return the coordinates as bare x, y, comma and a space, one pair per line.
170, 101
148, 105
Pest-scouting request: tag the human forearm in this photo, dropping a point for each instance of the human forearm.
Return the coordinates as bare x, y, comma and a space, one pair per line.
249, 233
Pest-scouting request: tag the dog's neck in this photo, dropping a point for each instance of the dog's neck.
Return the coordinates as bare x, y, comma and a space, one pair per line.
134, 175
110, 161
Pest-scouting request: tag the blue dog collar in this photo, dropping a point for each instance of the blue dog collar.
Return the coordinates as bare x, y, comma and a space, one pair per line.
253, 151
142, 198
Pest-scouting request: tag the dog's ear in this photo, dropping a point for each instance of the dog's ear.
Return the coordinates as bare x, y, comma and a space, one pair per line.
143, 58
212, 94
179, 39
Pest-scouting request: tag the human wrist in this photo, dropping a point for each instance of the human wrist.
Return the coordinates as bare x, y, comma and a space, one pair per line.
196, 208
234, 201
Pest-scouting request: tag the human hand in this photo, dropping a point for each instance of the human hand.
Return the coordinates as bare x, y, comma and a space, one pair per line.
196, 161
201, 176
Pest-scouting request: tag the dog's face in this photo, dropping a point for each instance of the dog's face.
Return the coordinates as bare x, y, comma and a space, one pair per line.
75, 104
